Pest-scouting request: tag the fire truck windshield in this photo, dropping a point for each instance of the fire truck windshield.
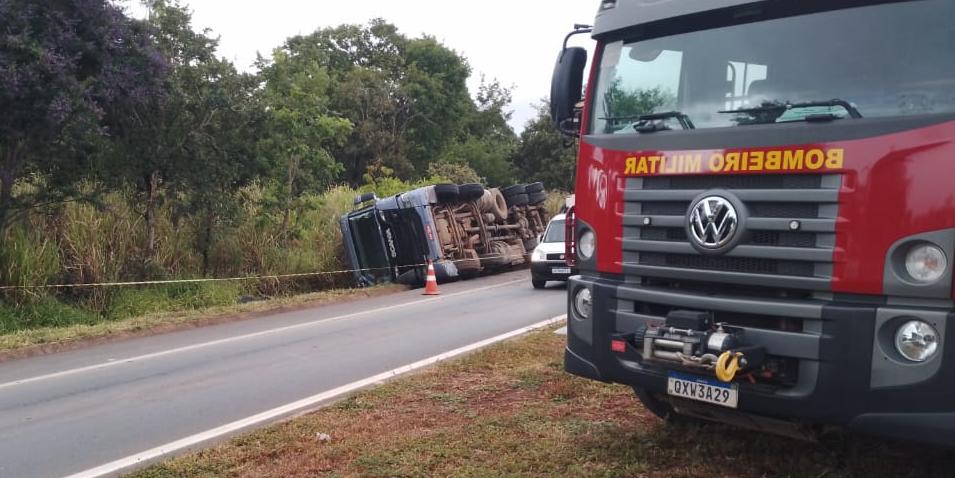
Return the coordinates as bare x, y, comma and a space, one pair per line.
741, 74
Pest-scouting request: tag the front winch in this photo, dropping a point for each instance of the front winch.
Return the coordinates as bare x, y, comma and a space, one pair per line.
692, 339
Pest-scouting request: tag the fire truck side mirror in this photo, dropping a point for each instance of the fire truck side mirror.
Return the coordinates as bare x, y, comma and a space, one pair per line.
566, 89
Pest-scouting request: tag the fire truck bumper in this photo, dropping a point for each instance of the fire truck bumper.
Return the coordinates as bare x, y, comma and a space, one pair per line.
847, 373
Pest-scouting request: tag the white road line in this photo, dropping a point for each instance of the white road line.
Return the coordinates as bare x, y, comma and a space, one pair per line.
115, 362
159, 451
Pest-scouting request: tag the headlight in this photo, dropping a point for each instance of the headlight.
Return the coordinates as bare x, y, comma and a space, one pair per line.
926, 263
916, 340
582, 303
538, 256
586, 245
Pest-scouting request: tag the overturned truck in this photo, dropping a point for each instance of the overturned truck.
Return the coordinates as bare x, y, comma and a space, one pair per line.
463, 230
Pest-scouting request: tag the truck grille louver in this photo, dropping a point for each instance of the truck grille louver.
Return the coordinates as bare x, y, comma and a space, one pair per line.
655, 241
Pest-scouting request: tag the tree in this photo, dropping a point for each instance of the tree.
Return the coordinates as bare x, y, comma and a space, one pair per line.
542, 155
459, 173
435, 86
223, 150
491, 160
62, 65
406, 98
153, 150
619, 102
487, 142
298, 129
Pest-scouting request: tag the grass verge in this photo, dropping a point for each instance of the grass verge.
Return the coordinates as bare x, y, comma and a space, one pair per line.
510, 410
81, 327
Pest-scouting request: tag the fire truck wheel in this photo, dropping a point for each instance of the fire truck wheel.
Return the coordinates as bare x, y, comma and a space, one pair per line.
656, 406
534, 188
537, 198
470, 192
446, 193
663, 410
516, 200
513, 190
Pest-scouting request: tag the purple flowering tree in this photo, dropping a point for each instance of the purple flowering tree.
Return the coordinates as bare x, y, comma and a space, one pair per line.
62, 65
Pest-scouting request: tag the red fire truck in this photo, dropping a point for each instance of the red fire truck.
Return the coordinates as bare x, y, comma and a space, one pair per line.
765, 211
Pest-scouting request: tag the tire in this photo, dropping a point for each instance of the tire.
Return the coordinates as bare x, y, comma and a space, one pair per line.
516, 200
538, 283
470, 192
493, 203
663, 410
656, 406
536, 198
534, 188
446, 193
513, 190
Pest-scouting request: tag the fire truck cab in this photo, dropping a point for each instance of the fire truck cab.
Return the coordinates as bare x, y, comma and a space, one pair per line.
764, 224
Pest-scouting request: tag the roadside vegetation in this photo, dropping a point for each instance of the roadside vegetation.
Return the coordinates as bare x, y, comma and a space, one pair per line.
130, 152
78, 331
510, 410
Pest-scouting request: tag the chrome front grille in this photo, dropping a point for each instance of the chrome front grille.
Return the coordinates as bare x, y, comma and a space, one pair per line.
772, 254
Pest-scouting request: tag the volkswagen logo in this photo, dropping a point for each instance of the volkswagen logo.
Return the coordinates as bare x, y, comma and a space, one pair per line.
713, 223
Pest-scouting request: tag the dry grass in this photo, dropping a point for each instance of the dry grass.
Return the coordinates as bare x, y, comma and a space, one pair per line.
511, 411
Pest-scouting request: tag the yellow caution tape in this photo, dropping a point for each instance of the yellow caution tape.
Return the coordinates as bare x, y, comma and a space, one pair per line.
222, 279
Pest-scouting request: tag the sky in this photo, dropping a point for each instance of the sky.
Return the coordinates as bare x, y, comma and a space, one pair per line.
514, 41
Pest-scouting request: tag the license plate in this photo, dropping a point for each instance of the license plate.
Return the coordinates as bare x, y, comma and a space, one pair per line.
560, 270
703, 389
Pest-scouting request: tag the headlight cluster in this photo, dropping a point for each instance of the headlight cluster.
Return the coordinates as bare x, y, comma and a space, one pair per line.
538, 256
916, 340
583, 303
925, 263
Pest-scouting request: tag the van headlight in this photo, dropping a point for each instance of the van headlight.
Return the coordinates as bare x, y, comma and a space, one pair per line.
916, 340
538, 256
926, 263
586, 245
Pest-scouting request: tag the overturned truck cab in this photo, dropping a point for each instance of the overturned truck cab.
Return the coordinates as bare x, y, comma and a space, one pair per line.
464, 230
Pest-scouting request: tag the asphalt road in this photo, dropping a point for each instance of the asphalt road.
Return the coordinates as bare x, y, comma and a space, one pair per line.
71, 412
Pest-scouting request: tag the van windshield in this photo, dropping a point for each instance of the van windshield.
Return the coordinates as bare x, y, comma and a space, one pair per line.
555, 231
883, 60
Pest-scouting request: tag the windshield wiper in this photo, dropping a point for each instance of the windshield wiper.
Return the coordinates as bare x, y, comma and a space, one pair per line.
770, 111
653, 122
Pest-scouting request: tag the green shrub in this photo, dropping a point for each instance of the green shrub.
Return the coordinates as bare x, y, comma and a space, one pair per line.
43, 311
134, 302
555, 201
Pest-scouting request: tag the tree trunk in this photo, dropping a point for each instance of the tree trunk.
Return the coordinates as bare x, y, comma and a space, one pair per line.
8, 175
206, 244
289, 195
152, 196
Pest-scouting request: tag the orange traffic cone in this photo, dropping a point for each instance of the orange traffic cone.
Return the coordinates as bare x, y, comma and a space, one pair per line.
431, 284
